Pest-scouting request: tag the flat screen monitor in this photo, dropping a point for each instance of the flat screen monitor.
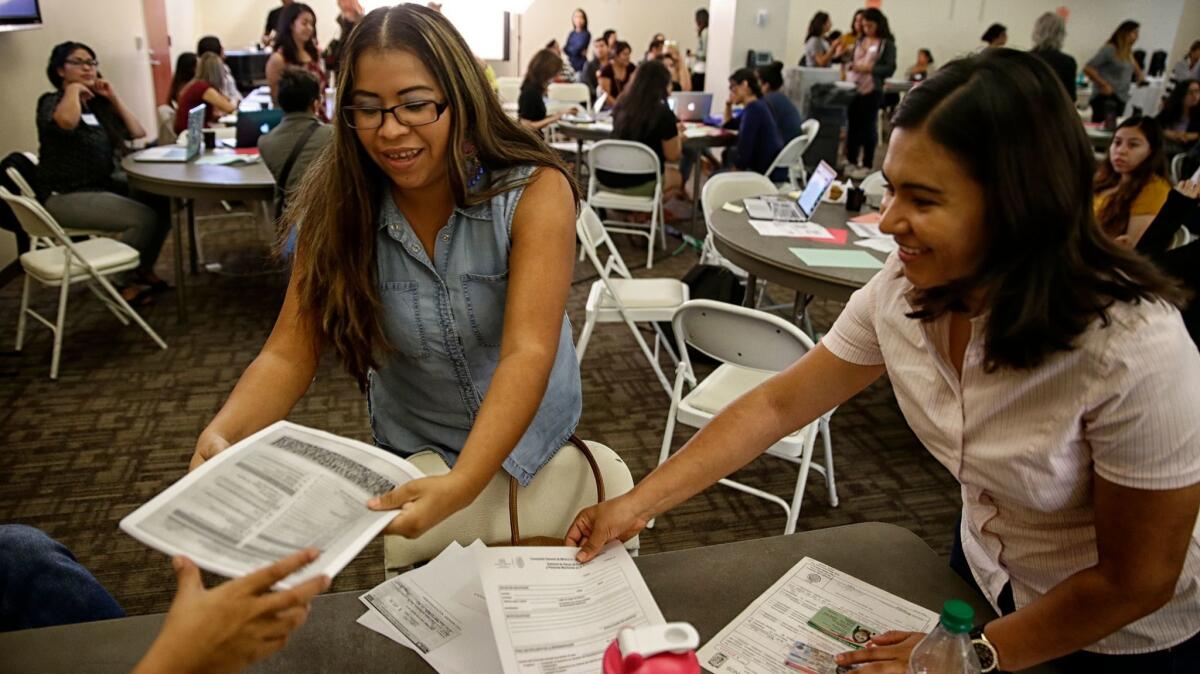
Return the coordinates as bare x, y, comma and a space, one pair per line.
19, 15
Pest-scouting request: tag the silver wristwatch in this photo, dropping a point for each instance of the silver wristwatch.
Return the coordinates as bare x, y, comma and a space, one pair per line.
985, 651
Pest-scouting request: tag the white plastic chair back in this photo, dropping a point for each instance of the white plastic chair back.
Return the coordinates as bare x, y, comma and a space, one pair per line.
19, 180
569, 93
510, 88
622, 156
732, 186
1176, 172
738, 335
594, 236
792, 154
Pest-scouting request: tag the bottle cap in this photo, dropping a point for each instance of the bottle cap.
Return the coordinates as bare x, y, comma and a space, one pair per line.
957, 616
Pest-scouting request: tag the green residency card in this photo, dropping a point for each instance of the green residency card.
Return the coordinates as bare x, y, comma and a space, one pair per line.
834, 624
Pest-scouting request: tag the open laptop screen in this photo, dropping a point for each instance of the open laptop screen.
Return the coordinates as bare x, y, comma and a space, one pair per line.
818, 182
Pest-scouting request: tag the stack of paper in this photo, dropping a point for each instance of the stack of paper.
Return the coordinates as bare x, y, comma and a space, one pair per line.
867, 227
806, 230
479, 610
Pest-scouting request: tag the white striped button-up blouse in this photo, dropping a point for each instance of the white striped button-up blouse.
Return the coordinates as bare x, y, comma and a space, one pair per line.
1025, 444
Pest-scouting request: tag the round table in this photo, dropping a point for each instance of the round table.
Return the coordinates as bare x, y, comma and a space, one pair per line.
595, 131
185, 182
768, 257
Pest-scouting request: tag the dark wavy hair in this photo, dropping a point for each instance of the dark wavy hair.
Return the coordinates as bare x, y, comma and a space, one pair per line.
640, 102
585, 19
286, 43
771, 74
1173, 112
816, 27
114, 127
748, 76
1113, 218
882, 31
543, 67
185, 70
993, 32
1047, 271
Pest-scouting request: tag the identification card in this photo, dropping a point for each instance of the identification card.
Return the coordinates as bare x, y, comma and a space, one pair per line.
838, 626
89, 119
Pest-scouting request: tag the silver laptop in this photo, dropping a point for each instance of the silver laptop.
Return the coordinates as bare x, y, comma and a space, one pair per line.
804, 206
690, 106
195, 140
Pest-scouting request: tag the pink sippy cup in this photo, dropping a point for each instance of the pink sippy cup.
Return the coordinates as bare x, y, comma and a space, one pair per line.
654, 649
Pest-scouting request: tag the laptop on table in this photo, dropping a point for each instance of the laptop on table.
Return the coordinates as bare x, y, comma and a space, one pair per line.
690, 106
174, 153
252, 124
800, 210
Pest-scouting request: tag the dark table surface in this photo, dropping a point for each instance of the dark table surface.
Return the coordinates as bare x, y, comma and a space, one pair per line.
705, 586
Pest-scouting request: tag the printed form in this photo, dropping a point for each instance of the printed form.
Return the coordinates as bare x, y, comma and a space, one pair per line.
758, 640
552, 615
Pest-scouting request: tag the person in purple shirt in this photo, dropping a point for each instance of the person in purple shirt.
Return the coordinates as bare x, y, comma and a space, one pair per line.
758, 135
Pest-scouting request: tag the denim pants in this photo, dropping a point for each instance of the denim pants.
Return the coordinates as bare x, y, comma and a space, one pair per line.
1179, 659
42, 585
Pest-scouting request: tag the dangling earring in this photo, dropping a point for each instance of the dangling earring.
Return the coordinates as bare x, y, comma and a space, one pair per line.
474, 169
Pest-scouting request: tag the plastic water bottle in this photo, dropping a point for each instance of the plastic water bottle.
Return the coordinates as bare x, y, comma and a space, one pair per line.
947, 649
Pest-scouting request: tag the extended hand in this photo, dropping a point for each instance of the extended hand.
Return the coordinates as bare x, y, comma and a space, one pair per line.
886, 653
423, 503
230, 626
208, 445
611, 520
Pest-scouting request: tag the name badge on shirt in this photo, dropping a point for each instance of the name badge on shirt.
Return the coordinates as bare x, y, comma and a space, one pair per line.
89, 119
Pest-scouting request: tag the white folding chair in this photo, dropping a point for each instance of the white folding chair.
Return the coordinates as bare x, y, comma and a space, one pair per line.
27, 191
1176, 172
752, 346
873, 187
90, 261
792, 155
719, 190
510, 88
620, 298
627, 157
564, 95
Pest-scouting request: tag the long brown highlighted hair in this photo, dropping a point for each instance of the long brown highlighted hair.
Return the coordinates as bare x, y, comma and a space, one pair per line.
1113, 217
337, 202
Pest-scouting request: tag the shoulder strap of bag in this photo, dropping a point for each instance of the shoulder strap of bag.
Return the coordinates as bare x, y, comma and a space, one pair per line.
513, 488
291, 160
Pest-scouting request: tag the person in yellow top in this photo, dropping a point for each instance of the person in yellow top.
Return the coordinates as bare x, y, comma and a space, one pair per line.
1131, 185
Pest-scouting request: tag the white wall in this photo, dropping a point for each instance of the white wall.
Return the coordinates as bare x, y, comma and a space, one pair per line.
952, 27
123, 61
181, 27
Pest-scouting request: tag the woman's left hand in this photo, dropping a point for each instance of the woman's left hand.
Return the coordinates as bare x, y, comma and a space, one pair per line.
423, 503
103, 89
886, 653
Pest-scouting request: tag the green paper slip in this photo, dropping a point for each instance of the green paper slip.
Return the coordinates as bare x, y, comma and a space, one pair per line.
828, 257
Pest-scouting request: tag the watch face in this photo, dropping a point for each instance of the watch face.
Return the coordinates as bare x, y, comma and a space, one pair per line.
987, 656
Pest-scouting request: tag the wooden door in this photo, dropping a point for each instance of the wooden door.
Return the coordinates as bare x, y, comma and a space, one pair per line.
158, 48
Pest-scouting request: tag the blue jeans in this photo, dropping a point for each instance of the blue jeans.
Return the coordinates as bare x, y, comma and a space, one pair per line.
42, 585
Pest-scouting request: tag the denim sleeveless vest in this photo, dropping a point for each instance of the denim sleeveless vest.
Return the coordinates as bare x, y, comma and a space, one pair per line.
444, 318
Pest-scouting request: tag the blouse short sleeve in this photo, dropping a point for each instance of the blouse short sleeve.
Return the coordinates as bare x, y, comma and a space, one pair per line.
1141, 420
1152, 197
853, 337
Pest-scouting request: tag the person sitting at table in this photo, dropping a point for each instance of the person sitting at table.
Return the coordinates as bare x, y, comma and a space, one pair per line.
224, 629
1049, 32
818, 53
299, 96
643, 116
759, 141
1045, 367
434, 261
1112, 70
616, 74
1180, 117
185, 72
531, 104
565, 72
994, 37
1131, 184
205, 88
84, 129
920, 70
271, 29
681, 79
783, 110
212, 44
591, 72
295, 46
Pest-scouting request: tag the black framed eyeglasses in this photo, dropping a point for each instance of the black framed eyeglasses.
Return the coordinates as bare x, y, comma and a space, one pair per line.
82, 64
415, 113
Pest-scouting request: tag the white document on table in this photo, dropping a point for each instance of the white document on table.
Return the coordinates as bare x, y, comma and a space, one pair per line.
793, 229
279, 491
420, 610
883, 245
758, 640
867, 229
551, 614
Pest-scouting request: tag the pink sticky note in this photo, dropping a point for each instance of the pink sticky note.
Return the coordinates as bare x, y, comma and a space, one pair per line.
839, 237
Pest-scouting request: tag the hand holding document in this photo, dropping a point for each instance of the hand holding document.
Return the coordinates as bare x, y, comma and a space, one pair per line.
281, 490
551, 614
798, 621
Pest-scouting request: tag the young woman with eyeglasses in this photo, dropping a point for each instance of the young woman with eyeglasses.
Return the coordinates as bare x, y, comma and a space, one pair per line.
434, 260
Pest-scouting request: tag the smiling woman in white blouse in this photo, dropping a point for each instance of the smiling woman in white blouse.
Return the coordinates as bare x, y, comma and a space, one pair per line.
1047, 369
